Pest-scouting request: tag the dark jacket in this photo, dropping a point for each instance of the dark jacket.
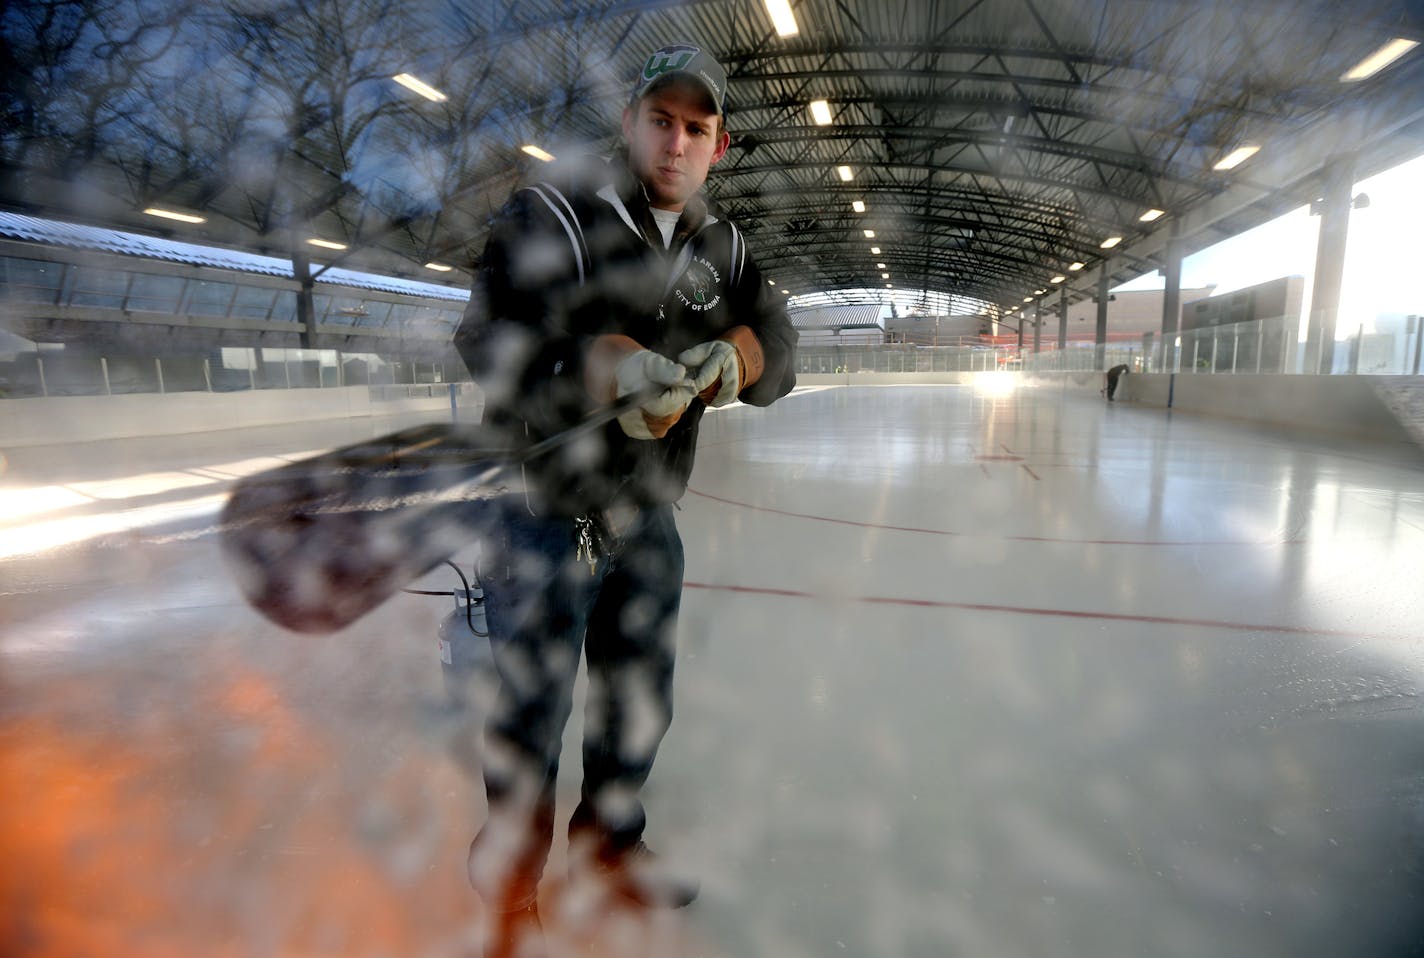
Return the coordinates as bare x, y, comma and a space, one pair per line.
579, 256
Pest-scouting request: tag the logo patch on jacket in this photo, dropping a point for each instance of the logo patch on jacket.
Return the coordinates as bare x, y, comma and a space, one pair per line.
698, 287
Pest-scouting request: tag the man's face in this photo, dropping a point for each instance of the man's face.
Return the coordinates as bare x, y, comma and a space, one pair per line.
673, 139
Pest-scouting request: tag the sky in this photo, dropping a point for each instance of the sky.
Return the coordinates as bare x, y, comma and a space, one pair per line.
1385, 251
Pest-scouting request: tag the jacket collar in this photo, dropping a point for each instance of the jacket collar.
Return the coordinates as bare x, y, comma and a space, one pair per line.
696, 214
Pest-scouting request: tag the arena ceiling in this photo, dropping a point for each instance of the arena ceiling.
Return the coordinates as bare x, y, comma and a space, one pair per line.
992, 143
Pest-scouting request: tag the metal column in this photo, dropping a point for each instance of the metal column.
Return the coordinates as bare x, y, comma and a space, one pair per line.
1100, 350
1172, 296
1334, 209
306, 308
1062, 320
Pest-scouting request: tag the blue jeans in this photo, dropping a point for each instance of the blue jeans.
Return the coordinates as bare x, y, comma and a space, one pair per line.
544, 601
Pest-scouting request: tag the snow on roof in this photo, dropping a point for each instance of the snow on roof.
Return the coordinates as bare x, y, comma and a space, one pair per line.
78, 236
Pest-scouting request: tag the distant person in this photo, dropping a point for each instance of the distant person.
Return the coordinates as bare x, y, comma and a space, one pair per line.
613, 277
1113, 375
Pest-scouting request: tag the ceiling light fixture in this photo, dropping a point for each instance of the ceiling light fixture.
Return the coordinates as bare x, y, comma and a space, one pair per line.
858, 206
1378, 60
1110, 242
1236, 157
870, 234
881, 266
821, 112
537, 153
875, 250
1076, 266
1151, 215
845, 174
171, 215
1058, 279
1028, 299
420, 86
326, 244
884, 275
782, 18
439, 267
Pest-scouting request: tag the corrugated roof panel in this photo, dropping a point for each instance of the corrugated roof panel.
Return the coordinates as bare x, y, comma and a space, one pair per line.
79, 236
833, 317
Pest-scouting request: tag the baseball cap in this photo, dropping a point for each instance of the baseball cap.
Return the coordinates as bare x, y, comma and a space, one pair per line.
684, 59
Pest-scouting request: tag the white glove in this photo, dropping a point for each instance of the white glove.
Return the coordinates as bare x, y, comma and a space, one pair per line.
716, 371
646, 371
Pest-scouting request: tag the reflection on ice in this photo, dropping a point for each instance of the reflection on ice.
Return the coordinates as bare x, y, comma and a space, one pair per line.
916, 715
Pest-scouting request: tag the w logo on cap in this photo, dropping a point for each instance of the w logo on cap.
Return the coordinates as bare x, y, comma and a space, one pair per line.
668, 60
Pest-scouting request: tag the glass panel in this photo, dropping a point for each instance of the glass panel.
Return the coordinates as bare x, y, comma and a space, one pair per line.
210, 299
377, 314
99, 287
345, 311
29, 280
253, 302
155, 294
285, 308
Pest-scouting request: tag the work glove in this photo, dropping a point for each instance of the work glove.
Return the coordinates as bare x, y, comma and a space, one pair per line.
618, 366
723, 367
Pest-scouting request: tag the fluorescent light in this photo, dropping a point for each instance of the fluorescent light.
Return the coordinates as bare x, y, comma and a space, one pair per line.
845, 174
1110, 242
875, 250
1151, 215
439, 267
782, 18
326, 244
881, 266
770, 283
537, 153
857, 205
870, 234
1058, 279
786, 292
1076, 266
1378, 60
888, 286
1236, 157
821, 112
170, 215
884, 275
1028, 299
1039, 292
420, 86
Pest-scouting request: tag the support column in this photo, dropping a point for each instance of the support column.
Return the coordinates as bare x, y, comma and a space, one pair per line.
1062, 320
1038, 326
306, 308
1172, 296
1334, 209
1100, 350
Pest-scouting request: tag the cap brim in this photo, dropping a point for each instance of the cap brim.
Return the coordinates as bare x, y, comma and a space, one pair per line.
691, 79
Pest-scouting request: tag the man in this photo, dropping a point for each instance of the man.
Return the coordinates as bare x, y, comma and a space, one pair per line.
1113, 375
611, 280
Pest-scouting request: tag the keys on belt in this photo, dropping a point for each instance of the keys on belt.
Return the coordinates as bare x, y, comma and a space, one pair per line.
590, 542
598, 535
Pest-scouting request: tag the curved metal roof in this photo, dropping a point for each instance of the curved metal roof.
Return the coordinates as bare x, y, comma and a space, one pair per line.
994, 143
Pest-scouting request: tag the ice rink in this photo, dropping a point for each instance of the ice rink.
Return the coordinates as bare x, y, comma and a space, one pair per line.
962, 672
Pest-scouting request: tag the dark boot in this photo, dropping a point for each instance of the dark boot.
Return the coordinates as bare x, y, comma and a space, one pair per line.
634, 874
